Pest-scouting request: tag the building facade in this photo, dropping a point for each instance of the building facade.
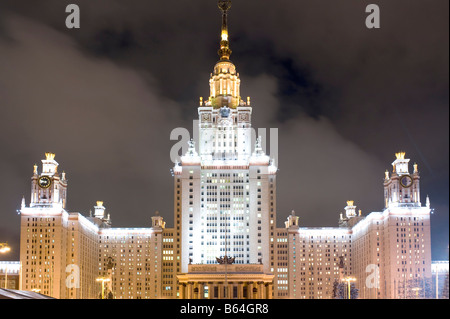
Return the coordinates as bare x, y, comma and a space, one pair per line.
225, 281
387, 253
224, 242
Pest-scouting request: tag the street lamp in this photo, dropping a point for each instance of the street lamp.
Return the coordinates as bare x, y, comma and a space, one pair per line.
349, 280
103, 280
4, 248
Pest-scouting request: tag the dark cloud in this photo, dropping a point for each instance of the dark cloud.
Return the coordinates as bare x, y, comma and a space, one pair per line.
105, 98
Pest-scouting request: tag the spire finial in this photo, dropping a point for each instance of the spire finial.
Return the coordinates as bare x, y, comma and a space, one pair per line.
49, 156
400, 155
224, 51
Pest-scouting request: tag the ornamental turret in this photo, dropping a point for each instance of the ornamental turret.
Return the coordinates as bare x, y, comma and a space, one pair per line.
48, 188
402, 188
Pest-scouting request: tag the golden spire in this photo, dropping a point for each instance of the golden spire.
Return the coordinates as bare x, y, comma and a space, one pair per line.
49, 156
400, 155
224, 51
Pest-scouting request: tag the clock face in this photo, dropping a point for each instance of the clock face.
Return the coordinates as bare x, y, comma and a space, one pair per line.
406, 181
224, 111
206, 117
45, 182
243, 117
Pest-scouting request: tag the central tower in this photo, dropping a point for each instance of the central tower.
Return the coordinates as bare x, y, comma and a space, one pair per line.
225, 188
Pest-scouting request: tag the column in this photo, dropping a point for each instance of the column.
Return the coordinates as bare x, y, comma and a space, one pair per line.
250, 290
201, 290
186, 291
194, 289
226, 291
240, 290
230, 290
210, 290
220, 290
269, 291
190, 291
261, 290
182, 288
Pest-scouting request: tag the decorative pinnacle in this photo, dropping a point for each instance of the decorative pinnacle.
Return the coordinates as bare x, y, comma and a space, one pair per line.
400, 155
49, 156
224, 51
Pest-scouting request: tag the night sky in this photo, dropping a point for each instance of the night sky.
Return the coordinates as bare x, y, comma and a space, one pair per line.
106, 97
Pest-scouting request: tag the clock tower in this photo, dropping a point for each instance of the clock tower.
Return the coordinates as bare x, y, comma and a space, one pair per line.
401, 189
48, 188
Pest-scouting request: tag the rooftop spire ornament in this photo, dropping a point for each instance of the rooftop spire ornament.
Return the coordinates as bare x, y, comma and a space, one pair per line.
49, 156
224, 51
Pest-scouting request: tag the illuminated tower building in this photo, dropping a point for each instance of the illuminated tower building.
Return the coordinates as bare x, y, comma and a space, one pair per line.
224, 189
225, 243
63, 254
58, 249
393, 247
